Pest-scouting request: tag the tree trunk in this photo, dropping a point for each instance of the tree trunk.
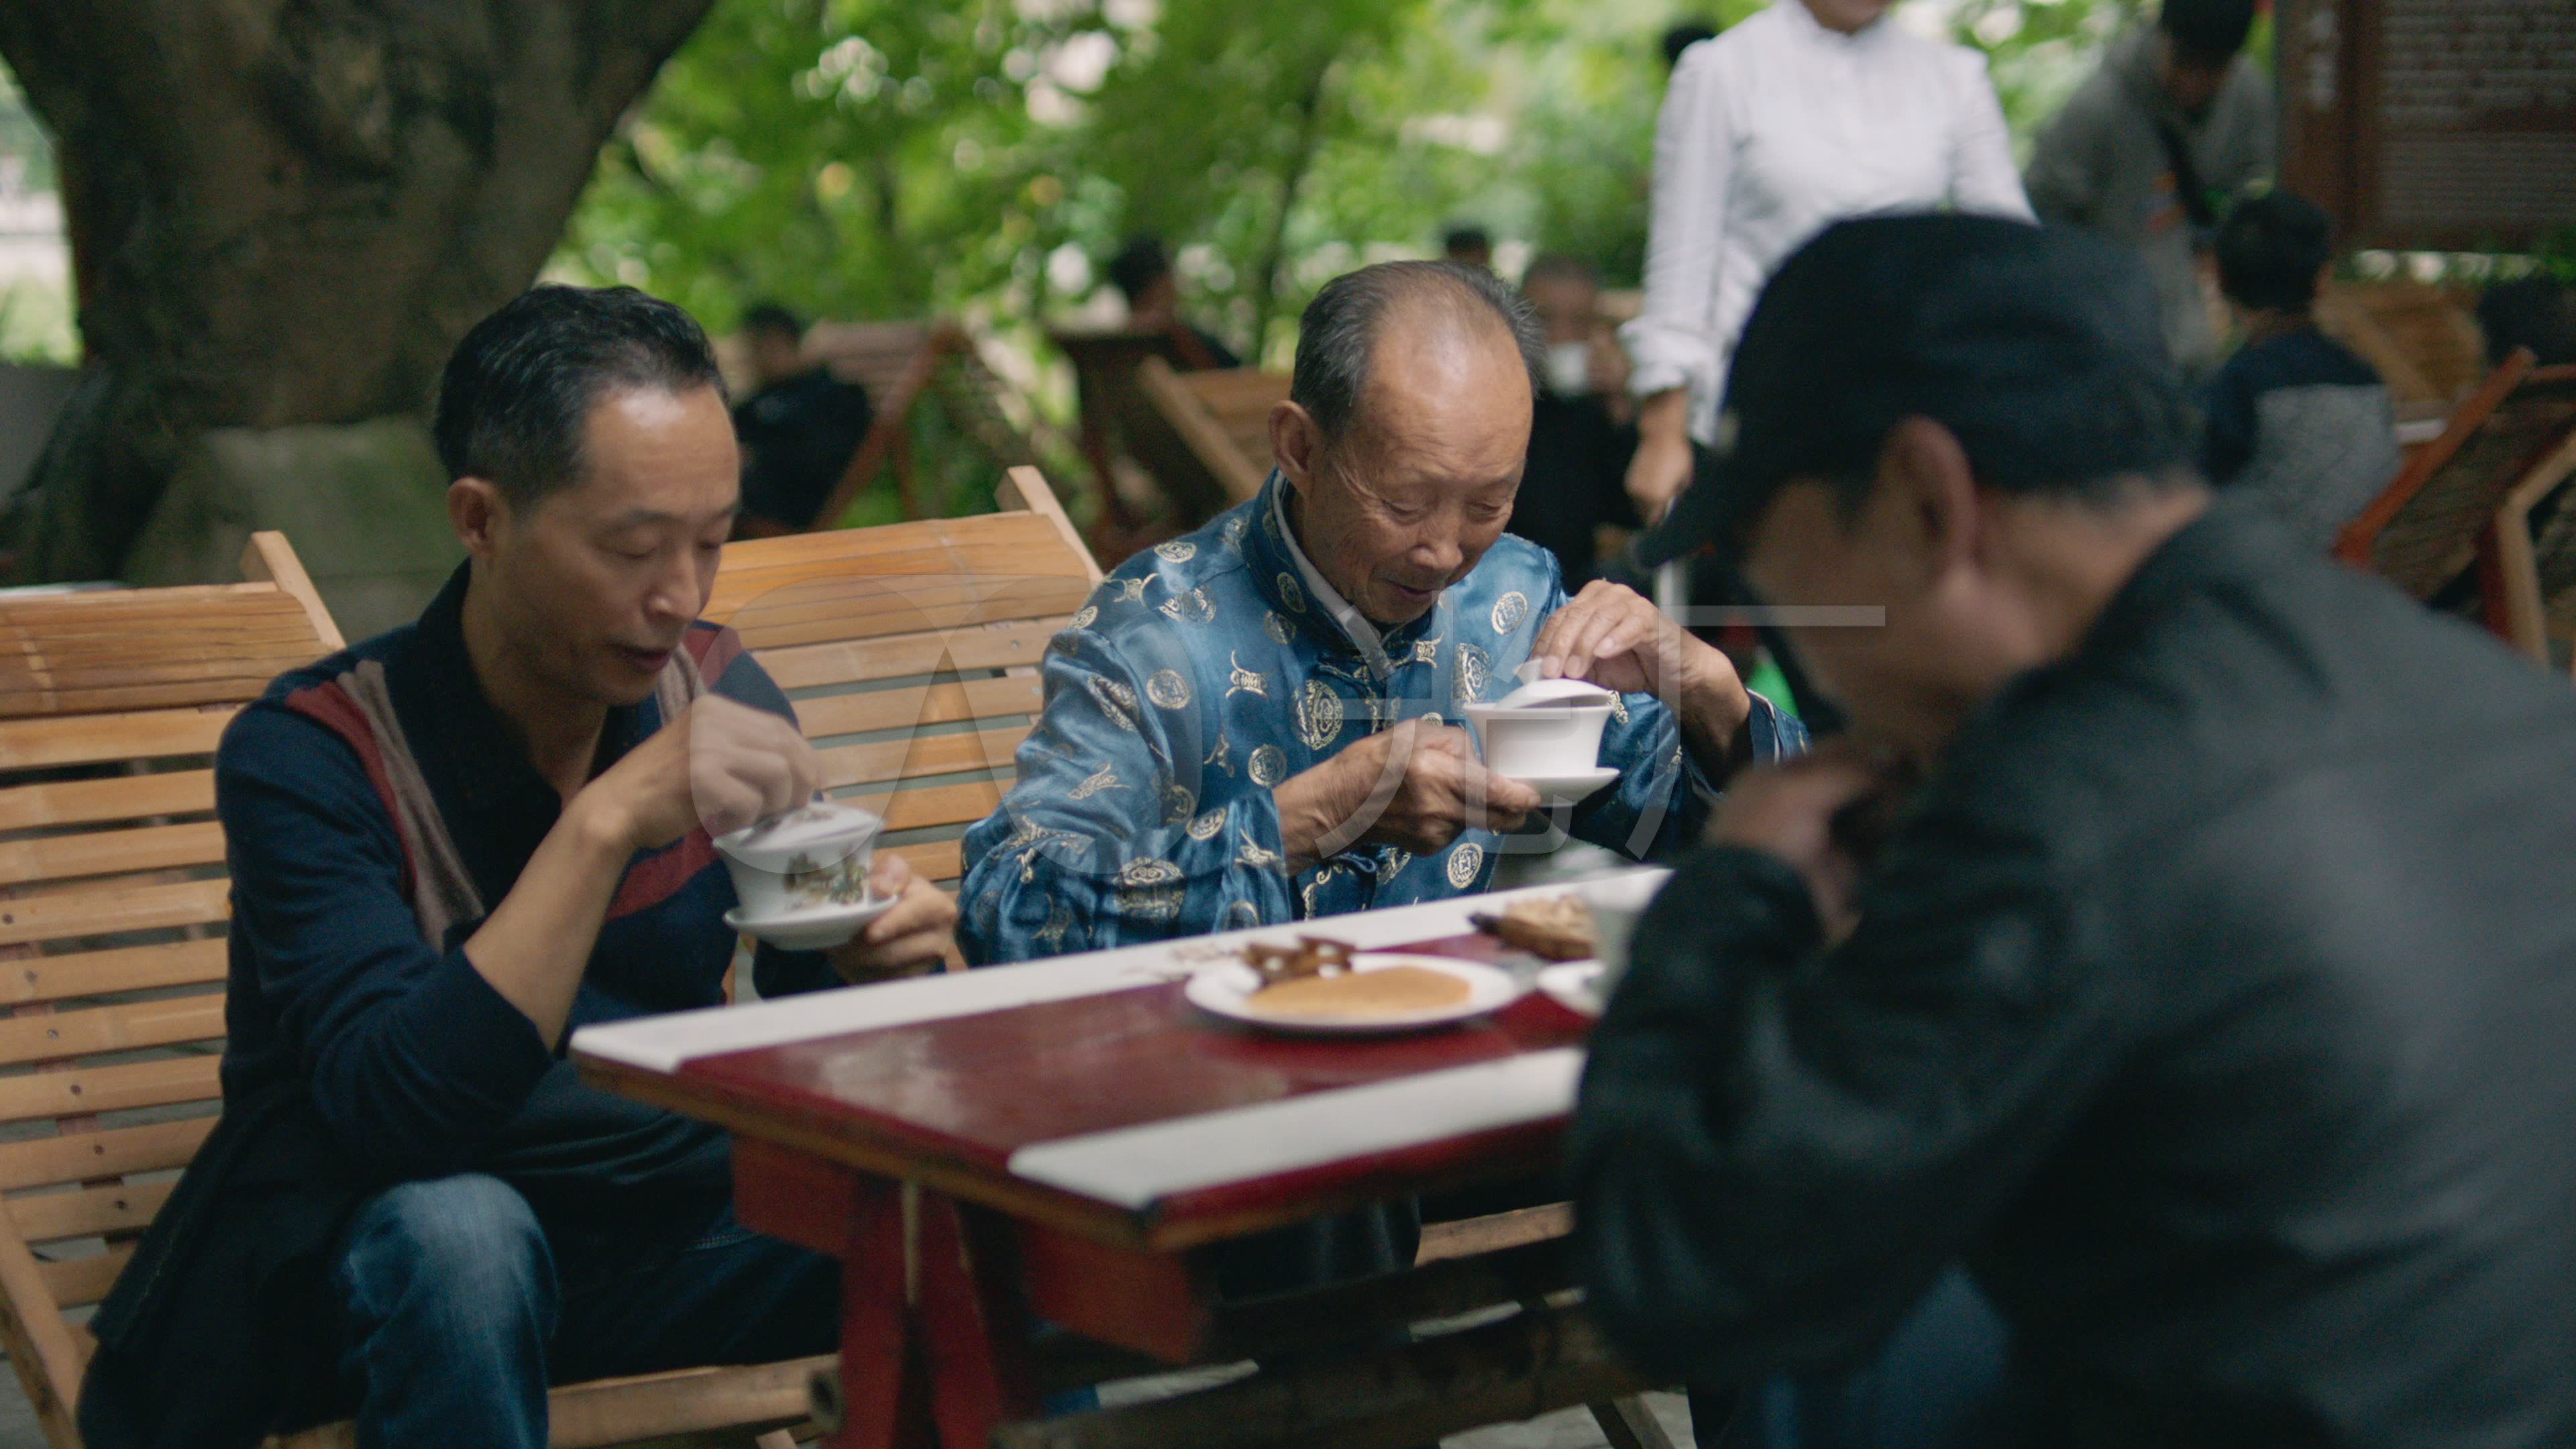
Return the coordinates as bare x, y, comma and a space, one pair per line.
288, 211
1274, 257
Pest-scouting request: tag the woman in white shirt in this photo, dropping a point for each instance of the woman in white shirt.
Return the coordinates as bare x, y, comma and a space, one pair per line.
1807, 113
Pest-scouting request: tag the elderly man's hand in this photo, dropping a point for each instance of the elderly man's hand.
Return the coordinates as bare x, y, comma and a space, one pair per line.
1822, 814
912, 938
1416, 786
1616, 638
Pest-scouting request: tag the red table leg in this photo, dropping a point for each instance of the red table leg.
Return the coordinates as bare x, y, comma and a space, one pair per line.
934, 1328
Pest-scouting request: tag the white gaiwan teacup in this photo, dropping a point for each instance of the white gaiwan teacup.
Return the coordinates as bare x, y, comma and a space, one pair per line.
1547, 729
810, 858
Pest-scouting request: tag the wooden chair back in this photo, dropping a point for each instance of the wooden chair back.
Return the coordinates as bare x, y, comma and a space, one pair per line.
1223, 417
2423, 339
113, 901
2447, 511
911, 652
904, 366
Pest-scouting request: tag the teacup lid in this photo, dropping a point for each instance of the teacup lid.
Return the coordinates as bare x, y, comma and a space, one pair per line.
1543, 692
820, 832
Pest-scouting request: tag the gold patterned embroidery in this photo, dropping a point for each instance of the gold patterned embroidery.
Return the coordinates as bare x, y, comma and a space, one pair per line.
1274, 626
1464, 862
1216, 759
1426, 651
1084, 616
1319, 715
1293, 596
1240, 680
1168, 689
1178, 802
1115, 700
1194, 607
1130, 591
1178, 550
1269, 765
1106, 778
1205, 827
1469, 682
1509, 610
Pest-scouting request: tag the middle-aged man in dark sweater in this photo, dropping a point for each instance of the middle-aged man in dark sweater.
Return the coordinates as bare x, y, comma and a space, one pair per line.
2181, 936
450, 845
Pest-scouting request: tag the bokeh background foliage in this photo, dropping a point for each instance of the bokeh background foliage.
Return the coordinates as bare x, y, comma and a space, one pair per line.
874, 158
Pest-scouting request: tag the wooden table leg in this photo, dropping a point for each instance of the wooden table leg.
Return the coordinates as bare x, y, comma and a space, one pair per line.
935, 1331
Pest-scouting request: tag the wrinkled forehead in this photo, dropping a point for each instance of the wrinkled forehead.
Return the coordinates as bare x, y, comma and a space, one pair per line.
1439, 388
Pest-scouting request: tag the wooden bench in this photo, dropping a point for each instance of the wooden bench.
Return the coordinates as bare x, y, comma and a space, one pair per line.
911, 652
1222, 417
113, 903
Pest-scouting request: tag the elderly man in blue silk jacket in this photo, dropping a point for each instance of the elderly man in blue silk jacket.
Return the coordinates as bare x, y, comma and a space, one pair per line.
1261, 722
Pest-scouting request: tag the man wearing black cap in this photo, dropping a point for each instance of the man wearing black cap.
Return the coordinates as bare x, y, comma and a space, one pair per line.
2180, 937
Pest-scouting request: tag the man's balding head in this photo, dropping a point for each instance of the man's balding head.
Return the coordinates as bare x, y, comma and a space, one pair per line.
1405, 428
1339, 335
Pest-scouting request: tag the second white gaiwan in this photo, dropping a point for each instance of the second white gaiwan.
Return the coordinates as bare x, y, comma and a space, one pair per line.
1546, 729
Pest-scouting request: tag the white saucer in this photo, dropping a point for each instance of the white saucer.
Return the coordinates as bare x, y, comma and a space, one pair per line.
1574, 985
1566, 789
811, 930
1226, 990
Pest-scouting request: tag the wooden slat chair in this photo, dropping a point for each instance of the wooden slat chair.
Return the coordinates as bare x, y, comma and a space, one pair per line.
911, 652
2423, 339
113, 903
1223, 417
2464, 503
906, 366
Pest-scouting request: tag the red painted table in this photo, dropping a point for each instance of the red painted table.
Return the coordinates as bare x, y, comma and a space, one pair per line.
1051, 1141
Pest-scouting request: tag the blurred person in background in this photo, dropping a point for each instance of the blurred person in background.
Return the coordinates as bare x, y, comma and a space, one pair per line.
1468, 246
1142, 272
1580, 439
2294, 418
1683, 36
2151, 148
799, 428
1810, 111
2537, 312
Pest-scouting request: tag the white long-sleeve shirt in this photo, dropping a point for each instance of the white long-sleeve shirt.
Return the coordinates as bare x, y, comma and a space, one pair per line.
1777, 129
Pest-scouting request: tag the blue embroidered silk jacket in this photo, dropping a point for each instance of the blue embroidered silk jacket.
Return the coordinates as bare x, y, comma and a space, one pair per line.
1208, 669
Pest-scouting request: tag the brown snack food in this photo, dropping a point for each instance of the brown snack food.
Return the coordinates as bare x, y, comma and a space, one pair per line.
1361, 995
1556, 927
1311, 956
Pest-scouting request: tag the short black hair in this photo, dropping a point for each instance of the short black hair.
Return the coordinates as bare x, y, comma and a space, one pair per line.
518, 390
1466, 238
1139, 264
2538, 312
1563, 267
1683, 36
1338, 334
2270, 249
2207, 32
774, 319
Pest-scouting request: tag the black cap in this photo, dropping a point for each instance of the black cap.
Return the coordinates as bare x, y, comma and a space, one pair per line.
2041, 348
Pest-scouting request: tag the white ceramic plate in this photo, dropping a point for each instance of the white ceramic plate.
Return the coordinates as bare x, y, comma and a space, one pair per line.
811, 930
1566, 789
1226, 989
1574, 985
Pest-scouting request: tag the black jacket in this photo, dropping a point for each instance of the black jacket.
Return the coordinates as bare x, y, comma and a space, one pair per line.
2216, 1002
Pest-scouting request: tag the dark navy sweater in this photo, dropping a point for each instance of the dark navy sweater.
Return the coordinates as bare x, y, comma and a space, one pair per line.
415, 1065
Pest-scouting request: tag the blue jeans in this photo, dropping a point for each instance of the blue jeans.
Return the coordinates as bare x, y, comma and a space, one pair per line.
461, 1308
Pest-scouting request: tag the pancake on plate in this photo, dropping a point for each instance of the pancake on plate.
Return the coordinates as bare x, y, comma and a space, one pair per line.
1362, 995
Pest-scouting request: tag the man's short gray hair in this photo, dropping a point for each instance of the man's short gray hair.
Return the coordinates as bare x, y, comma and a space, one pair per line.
1339, 331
